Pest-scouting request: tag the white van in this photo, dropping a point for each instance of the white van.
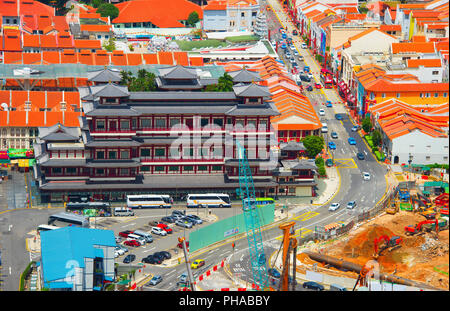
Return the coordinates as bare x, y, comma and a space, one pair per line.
123, 211
147, 236
324, 128
137, 238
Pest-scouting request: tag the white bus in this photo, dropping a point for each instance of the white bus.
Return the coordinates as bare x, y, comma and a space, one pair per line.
70, 219
149, 201
41, 228
208, 200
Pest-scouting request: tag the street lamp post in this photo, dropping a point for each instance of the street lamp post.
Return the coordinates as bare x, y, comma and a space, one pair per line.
410, 159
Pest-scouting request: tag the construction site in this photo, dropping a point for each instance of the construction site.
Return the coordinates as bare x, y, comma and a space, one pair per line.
409, 243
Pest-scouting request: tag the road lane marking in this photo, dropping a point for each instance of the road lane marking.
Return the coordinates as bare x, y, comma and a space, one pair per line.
306, 216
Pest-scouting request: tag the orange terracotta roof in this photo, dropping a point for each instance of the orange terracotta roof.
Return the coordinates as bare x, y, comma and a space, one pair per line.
31, 41
196, 61
136, 11
390, 27
415, 63
85, 57
48, 41
96, 28
150, 58
11, 40
68, 57
165, 58
215, 6
32, 58
118, 58
101, 58
413, 47
87, 44
50, 57
181, 58
12, 57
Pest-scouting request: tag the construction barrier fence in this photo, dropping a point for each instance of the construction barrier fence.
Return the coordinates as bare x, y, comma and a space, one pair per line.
227, 228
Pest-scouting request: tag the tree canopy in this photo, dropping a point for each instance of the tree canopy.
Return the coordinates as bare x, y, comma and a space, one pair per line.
224, 84
144, 82
108, 9
193, 18
313, 145
367, 124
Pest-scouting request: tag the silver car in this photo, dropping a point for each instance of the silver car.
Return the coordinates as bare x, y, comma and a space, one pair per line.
183, 223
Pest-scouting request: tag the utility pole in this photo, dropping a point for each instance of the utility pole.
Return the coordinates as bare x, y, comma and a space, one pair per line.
186, 259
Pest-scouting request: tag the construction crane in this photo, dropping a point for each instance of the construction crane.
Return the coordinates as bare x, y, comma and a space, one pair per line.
246, 191
389, 243
289, 245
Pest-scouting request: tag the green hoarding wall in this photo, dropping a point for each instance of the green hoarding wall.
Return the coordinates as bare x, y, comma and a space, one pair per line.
227, 228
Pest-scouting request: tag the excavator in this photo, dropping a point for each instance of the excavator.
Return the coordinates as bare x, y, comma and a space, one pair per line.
392, 209
418, 228
389, 243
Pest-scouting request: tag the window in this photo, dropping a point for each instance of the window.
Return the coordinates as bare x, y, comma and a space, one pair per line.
436, 94
435, 72
174, 121
160, 123
398, 95
71, 170
428, 158
145, 152
427, 95
372, 96
174, 153
383, 95
188, 168
254, 14
112, 154
174, 168
146, 123
216, 168
188, 153
218, 122
446, 158
145, 168
262, 125
124, 124
242, 14
160, 168
160, 152
205, 153
100, 171
251, 124
56, 170
445, 94
124, 154
421, 95
100, 155
217, 153
204, 122
202, 168
100, 124
124, 171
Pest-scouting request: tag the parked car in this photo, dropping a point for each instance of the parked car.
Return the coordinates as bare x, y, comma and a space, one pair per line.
129, 258
197, 263
183, 223
274, 273
165, 228
366, 175
116, 254
195, 219
338, 116
321, 112
159, 231
133, 243
313, 285
304, 46
125, 233
119, 250
318, 86
177, 212
305, 78
119, 239
300, 57
154, 223
166, 254
329, 162
334, 206
155, 280
351, 141
151, 260
332, 145
168, 219
329, 104
309, 88
351, 205
334, 135
360, 156
123, 248
296, 53
159, 255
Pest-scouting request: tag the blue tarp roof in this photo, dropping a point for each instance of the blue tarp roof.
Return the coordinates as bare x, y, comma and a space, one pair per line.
64, 249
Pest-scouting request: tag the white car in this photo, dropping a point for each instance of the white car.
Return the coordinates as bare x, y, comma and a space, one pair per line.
292, 47
304, 46
334, 206
366, 176
119, 250
159, 231
310, 75
351, 205
300, 57
321, 112
296, 53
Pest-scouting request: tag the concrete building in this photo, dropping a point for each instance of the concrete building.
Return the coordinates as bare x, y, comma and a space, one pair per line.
77, 259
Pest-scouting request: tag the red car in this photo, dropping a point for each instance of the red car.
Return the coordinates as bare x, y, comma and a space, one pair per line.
165, 228
132, 243
318, 85
125, 233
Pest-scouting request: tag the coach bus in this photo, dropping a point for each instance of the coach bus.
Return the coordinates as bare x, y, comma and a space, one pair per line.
41, 228
90, 209
68, 219
208, 200
149, 201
